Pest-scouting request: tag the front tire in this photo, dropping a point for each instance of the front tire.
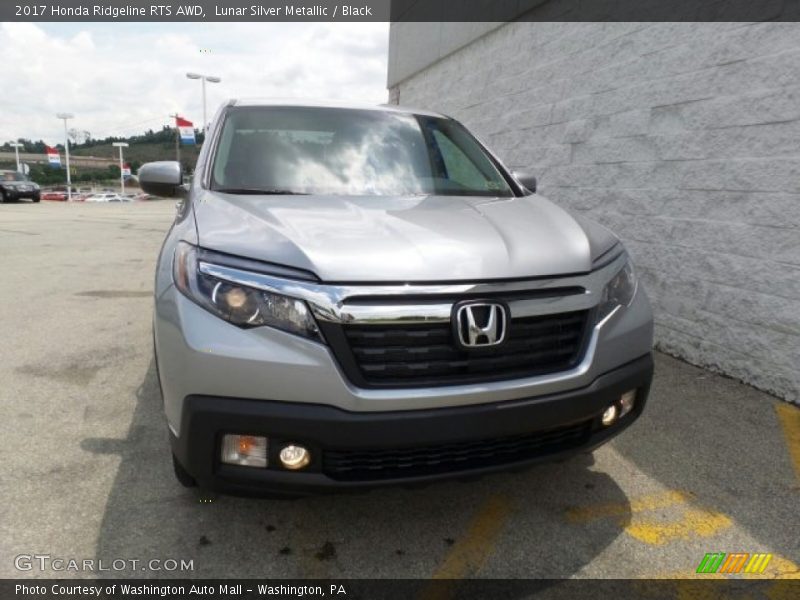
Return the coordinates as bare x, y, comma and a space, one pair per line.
36, 198
182, 475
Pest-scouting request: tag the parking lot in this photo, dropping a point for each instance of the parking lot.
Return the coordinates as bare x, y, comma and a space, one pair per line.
713, 465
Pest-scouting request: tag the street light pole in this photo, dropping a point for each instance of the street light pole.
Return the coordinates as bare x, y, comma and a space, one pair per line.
121, 145
203, 79
16, 146
66, 116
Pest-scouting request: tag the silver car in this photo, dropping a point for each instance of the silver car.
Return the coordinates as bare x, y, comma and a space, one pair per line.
356, 296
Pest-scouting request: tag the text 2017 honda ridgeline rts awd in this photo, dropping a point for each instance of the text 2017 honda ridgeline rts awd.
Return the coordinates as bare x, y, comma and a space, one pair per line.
354, 296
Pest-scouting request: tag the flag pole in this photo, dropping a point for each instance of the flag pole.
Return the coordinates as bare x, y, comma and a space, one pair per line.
177, 138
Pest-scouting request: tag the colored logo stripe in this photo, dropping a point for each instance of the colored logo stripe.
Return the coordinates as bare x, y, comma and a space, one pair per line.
721, 562
711, 562
757, 563
734, 562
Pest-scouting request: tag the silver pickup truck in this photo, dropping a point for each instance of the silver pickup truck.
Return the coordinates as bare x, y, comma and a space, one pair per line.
354, 296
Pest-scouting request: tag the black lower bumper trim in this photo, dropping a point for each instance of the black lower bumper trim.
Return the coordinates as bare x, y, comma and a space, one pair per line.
351, 450
399, 463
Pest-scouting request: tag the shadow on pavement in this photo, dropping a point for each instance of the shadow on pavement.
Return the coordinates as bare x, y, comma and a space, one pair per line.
391, 533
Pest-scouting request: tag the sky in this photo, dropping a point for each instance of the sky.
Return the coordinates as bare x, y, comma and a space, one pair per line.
122, 79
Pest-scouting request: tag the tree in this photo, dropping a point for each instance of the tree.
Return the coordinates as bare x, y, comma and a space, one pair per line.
27, 146
78, 136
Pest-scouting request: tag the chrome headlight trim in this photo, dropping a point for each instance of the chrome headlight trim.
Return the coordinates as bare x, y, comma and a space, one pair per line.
239, 304
619, 292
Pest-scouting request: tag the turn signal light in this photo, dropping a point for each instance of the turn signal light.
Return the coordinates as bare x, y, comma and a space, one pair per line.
626, 402
244, 450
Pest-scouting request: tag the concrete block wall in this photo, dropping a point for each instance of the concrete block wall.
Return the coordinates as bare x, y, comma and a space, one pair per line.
683, 138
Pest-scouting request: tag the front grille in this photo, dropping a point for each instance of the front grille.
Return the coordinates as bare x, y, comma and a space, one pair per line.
427, 355
370, 465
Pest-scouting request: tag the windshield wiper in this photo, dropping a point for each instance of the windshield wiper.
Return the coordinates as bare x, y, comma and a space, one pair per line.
259, 191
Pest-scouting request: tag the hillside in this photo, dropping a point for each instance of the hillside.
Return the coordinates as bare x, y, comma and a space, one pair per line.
138, 154
145, 147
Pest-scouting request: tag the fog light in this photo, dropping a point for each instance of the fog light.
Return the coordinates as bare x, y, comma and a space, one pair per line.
244, 450
294, 457
626, 402
610, 415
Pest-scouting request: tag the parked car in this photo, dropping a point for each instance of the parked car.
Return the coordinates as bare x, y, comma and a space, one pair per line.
106, 197
15, 186
59, 194
358, 296
53, 195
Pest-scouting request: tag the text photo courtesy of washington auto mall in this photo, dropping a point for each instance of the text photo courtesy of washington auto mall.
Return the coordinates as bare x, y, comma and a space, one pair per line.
400, 299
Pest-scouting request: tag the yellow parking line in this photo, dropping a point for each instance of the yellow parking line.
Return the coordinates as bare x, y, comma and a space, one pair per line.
783, 568
470, 552
695, 522
789, 416
689, 574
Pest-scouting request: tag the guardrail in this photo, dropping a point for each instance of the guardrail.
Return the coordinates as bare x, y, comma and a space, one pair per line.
74, 160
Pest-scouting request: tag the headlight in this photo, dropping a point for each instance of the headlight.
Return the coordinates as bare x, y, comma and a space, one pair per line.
243, 306
618, 292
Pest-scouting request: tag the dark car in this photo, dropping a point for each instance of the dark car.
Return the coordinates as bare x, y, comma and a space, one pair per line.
14, 185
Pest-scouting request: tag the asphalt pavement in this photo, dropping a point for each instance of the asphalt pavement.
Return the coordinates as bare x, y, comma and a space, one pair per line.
713, 465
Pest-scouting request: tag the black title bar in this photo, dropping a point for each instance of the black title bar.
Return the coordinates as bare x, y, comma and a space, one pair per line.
399, 10
395, 589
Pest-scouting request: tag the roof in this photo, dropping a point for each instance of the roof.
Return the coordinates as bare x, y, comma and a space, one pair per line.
332, 104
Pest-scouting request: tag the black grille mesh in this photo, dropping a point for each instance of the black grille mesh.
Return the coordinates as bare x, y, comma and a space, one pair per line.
426, 354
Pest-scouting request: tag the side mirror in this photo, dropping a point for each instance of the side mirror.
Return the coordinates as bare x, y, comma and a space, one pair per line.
526, 179
163, 178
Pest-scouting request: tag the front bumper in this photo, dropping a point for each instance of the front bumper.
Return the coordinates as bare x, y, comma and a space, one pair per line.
483, 438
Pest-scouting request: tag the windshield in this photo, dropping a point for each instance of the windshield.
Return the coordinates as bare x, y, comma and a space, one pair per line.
12, 176
309, 150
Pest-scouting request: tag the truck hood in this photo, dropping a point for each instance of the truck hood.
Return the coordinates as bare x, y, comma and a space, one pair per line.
401, 239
